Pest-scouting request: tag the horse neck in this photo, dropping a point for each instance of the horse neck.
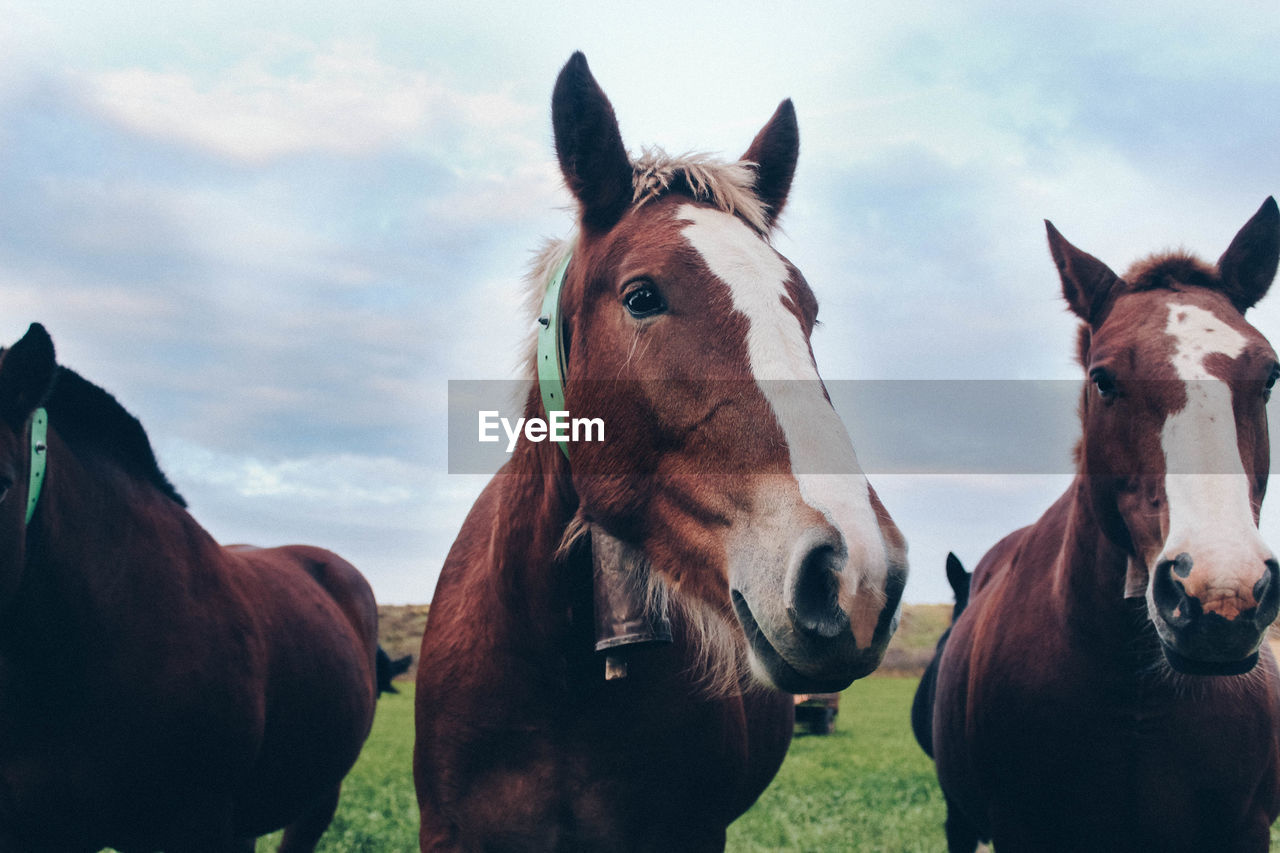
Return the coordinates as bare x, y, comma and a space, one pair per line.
1089, 578
537, 502
97, 538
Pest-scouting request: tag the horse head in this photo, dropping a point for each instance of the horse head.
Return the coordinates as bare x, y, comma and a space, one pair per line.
725, 467
1175, 437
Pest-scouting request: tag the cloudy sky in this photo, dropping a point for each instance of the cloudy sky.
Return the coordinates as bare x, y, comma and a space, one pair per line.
276, 233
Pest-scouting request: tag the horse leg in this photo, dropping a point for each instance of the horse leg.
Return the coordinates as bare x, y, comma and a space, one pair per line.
303, 834
962, 837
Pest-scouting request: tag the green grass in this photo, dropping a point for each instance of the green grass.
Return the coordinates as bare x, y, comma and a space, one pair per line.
865, 787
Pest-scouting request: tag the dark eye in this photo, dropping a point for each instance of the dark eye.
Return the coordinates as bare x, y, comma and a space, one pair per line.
1105, 383
644, 300
1271, 382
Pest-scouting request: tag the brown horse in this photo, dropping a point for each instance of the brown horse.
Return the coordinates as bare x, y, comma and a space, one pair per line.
727, 493
157, 691
1108, 687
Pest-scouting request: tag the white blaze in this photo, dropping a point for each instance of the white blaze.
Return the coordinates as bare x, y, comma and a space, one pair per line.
1205, 482
822, 457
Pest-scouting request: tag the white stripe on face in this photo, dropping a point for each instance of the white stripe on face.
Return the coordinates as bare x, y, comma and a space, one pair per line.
822, 457
1205, 482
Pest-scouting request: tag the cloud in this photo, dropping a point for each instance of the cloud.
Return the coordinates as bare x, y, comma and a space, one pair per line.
276, 236
339, 100
338, 482
392, 518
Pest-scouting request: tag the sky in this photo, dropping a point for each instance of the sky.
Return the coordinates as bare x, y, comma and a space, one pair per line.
276, 231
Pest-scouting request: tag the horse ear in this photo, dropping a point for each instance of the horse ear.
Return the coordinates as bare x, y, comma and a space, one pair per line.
1086, 281
958, 578
956, 574
26, 376
774, 152
589, 146
1248, 265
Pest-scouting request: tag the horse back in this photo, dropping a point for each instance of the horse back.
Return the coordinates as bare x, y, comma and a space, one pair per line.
317, 622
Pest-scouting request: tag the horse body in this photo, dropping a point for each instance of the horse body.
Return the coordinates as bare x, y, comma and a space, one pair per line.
156, 690
1108, 686
728, 488
1060, 732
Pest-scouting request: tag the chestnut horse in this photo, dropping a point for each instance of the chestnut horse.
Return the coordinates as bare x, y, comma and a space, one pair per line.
157, 691
727, 493
1108, 687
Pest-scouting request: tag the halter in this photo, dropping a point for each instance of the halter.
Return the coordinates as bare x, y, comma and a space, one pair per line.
39, 446
551, 354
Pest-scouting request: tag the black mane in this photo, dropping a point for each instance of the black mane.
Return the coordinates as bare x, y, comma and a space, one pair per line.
88, 417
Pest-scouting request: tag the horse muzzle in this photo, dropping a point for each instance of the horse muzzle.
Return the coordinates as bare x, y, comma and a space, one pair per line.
810, 646
1212, 627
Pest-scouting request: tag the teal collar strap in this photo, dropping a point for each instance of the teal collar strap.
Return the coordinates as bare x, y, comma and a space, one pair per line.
39, 454
551, 355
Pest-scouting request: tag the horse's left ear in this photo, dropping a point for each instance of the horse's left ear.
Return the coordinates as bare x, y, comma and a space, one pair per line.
589, 146
1248, 265
774, 152
26, 376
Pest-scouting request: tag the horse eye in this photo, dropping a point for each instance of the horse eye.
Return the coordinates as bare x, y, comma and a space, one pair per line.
1105, 383
1271, 381
644, 300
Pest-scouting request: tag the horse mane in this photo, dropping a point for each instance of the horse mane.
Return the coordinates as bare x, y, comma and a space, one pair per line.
728, 186
1175, 270
88, 418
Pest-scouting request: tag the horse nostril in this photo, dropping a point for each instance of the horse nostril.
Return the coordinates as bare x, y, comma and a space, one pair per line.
815, 605
1266, 592
1170, 595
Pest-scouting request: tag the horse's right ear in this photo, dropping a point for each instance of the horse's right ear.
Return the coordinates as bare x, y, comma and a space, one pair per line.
589, 145
26, 376
1086, 281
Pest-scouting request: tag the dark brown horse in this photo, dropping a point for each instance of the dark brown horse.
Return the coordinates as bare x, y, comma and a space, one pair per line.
157, 691
727, 493
1108, 687
922, 703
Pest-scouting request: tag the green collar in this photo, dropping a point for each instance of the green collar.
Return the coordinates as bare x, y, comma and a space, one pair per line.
39, 446
551, 354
